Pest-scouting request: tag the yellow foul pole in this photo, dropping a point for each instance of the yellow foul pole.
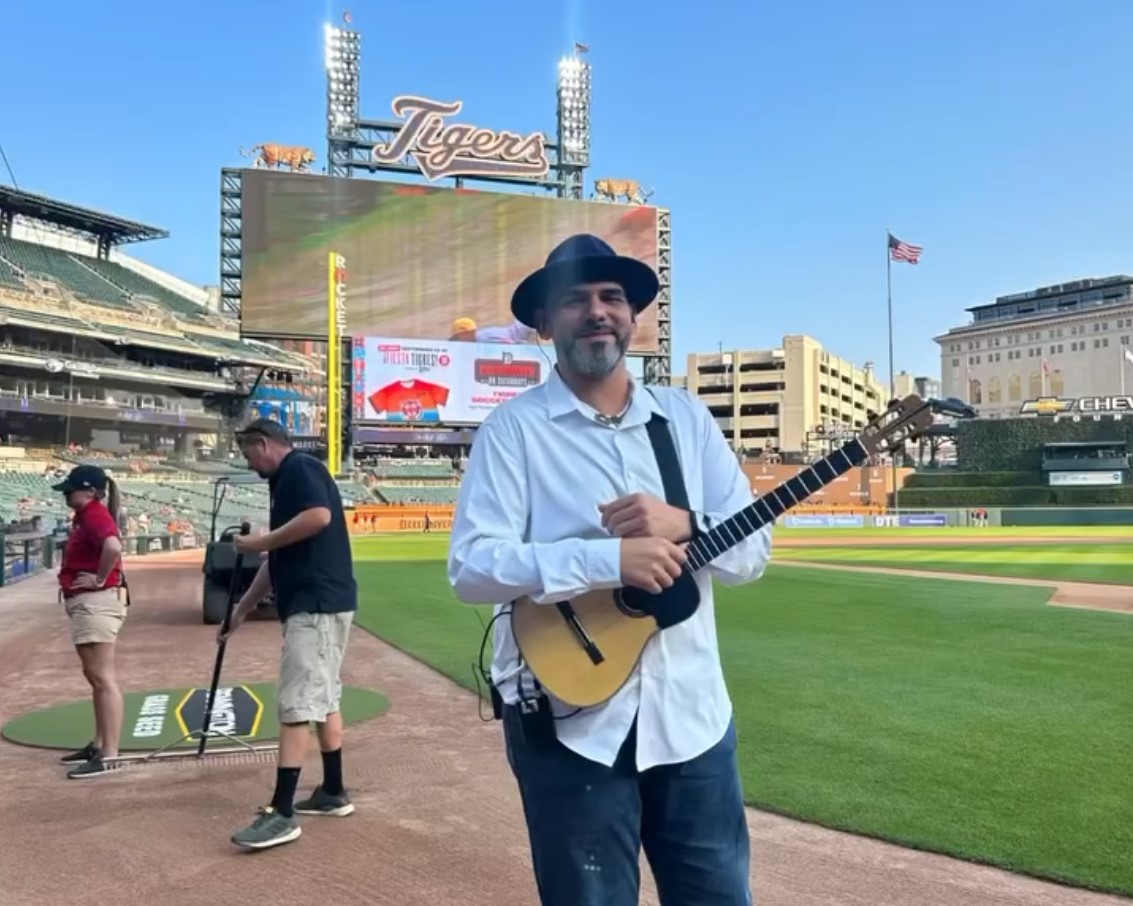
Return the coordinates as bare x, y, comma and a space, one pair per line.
336, 325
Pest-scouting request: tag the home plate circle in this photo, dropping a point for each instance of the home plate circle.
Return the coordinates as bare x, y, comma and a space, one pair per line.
164, 718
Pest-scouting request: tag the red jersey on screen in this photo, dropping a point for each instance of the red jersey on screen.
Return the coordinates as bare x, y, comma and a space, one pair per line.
411, 401
91, 526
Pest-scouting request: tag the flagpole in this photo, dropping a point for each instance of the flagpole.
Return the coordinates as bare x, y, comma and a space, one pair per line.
892, 377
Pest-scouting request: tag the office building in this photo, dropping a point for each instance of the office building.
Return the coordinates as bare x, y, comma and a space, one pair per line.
1067, 340
924, 387
794, 398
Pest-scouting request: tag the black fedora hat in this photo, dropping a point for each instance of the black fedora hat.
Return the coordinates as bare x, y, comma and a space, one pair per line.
584, 259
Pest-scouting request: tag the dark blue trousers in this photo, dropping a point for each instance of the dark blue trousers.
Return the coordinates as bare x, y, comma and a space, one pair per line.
587, 824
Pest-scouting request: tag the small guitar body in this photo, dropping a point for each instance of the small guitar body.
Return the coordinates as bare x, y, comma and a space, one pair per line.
582, 651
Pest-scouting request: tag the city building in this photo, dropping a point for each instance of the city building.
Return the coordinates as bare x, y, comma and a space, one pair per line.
1068, 340
924, 387
795, 398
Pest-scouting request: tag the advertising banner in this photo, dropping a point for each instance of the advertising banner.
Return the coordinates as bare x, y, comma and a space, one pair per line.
423, 382
1083, 479
922, 520
824, 521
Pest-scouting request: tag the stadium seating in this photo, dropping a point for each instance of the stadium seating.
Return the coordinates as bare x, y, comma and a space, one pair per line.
162, 490
136, 284
56, 264
419, 494
9, 277
408, 481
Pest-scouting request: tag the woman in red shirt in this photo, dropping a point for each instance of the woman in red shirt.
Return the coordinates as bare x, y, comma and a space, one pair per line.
93, 594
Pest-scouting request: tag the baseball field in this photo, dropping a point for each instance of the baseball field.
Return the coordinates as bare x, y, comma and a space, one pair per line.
910, 703
921, 686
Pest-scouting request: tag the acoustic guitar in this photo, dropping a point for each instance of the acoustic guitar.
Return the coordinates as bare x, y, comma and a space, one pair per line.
582, 651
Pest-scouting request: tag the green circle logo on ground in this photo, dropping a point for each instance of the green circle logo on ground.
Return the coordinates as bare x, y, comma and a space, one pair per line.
168, 718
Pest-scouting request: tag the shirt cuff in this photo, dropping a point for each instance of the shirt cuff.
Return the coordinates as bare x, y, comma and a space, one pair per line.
604, 563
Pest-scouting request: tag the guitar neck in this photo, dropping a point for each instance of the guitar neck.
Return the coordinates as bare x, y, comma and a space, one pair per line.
766, 509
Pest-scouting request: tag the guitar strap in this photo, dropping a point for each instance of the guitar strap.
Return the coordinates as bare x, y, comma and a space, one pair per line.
666, 453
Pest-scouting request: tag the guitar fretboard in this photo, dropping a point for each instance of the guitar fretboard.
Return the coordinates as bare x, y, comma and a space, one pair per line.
723, 537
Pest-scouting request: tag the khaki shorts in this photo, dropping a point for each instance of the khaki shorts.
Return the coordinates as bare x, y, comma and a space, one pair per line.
313, 648
96, 616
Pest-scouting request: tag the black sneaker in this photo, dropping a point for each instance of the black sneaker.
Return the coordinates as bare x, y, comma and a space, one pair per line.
92, 767
86, 753
323, 803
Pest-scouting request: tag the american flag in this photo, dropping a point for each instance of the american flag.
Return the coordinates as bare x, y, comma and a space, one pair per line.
902, 251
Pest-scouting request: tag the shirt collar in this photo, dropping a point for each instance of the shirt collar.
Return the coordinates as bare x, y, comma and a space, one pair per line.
561, 401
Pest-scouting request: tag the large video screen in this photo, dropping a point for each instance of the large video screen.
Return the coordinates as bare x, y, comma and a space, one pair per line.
421, 262
422, 382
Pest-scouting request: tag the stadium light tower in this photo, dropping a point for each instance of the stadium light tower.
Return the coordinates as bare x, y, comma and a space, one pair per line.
343, 53
573, 123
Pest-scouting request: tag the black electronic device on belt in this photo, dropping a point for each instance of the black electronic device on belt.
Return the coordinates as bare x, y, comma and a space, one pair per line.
536, 718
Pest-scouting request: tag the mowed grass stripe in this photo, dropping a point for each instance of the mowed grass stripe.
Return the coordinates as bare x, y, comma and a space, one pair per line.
959, 717
1109, 563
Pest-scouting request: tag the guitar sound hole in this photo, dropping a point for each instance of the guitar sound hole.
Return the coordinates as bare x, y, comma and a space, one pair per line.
625, 607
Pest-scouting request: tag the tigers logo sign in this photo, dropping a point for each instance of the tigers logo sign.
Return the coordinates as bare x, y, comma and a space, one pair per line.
458, 149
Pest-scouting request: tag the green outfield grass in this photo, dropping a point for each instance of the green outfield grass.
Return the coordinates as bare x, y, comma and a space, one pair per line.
1110, 563
959, 717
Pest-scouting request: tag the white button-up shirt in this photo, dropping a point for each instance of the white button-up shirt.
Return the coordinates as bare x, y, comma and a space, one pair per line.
527, 523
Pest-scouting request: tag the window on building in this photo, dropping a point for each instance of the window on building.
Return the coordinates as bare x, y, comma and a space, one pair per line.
1035, 390
994, 391
1014, 389
975, 392
1057, 384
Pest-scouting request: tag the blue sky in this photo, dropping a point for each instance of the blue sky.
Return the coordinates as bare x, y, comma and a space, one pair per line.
785, 137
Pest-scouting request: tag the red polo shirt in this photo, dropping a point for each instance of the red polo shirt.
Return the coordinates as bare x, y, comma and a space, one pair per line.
91, 526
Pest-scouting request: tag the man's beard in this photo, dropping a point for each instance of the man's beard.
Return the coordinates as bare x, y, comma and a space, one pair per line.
594, 357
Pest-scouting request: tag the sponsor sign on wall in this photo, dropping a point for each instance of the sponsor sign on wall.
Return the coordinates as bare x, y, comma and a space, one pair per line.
1080, 479
824, 521
424, 382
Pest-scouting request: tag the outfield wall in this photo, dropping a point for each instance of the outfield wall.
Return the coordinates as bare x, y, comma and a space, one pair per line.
913, 519
367, 519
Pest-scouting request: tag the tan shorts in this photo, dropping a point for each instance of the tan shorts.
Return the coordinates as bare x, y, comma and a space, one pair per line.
313, 648
96, 616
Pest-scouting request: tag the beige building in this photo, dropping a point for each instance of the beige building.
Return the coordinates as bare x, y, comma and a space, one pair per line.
780, 397
1068, 340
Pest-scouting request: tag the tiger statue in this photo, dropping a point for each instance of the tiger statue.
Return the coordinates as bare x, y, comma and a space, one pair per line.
274, 156
613, 189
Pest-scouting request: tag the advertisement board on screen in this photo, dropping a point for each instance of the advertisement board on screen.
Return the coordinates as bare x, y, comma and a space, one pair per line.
426, 263
422, 382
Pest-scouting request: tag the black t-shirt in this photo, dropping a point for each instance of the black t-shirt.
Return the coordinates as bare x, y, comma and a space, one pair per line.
315, 575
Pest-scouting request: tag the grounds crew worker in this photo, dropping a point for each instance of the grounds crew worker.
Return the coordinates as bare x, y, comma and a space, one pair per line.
91, 587
310, 572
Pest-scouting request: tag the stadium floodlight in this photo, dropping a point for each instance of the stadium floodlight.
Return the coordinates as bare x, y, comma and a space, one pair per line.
342, 50
574, 112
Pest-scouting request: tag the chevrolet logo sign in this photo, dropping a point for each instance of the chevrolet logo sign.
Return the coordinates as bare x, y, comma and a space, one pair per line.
1047, 405
1088, 405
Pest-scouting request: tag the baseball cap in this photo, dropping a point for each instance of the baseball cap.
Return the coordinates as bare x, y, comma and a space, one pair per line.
82, 478
265, 427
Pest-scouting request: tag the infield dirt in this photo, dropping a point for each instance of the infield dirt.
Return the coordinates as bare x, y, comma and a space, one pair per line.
438, 819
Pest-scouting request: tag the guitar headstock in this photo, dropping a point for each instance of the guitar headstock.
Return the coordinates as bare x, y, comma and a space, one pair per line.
906, 419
